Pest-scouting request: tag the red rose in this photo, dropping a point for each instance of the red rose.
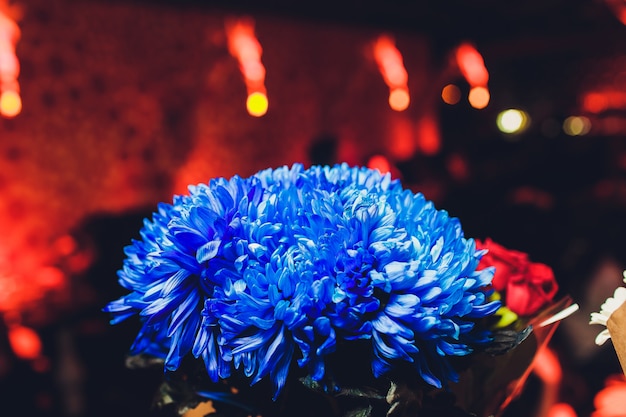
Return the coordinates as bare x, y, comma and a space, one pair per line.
510, 264
526, 286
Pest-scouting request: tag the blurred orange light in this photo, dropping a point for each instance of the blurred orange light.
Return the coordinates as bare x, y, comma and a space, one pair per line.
243, 45
391, 66
25, 342
253, 70
451, 94
380, 163
479, 97
201, 410
611, 400
257, 104
399, 99
562, 410
472, 65
395, 74
547, 366
10, 103
390, 62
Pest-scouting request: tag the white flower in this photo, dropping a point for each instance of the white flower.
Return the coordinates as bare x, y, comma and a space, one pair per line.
610, 305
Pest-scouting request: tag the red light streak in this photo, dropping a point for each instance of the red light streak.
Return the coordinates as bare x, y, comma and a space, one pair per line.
603, 100
246, 48
472, 65
10, 101
391, 66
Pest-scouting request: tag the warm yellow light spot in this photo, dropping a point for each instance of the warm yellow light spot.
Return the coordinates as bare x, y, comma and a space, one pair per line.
451, 94
479, 97
512, 121
10, 103
257, 104
399, 99
576, 125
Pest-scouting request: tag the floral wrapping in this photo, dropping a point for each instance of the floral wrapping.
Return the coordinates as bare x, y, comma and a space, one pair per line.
295, 285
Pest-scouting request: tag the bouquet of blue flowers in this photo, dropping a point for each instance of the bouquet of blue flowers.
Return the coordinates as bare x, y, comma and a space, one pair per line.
328, 291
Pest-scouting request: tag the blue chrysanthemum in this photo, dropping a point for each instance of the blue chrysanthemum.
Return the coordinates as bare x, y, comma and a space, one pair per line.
254, 274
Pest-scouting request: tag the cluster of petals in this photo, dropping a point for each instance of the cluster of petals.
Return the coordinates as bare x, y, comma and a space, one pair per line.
255, 275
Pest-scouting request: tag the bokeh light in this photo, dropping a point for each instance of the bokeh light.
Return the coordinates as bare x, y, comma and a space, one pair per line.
595, 102
243, 45
451, 94
257, 104
472, 65
610, 401
390, 61
576, 125
562, 410
391, 67
10, 103
379, 162
25, 342
512, 121
479, 97
399, 99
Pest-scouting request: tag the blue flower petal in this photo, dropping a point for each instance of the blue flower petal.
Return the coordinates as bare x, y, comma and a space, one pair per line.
253, 274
